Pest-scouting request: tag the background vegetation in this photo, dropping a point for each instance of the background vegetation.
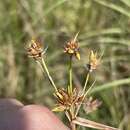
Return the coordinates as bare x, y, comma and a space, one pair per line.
104, 26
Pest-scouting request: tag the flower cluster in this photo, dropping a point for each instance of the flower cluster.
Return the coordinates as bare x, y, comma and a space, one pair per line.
93, 61
65, 100
72, 48
35, 49
70, 100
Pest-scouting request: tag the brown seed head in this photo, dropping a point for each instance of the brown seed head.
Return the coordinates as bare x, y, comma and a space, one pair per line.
65, 100
72, 48
35, 49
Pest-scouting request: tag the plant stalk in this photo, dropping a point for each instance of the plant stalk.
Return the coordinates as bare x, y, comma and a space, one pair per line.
43, 65
70, 88
73, 126
72, 111
84, 88
86, 82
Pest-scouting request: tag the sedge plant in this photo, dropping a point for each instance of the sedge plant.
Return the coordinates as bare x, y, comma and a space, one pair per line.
70, 100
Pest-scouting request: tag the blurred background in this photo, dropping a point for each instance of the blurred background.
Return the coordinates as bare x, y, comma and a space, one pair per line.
103, 25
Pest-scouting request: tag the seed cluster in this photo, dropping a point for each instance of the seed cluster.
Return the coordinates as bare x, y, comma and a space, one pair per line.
65, 100
70, 100
72, 48
35, 49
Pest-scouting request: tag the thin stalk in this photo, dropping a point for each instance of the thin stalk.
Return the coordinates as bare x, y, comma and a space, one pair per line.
72, 111
77, 110
86, 82
84, 88
86, 93
43, 65
70, 89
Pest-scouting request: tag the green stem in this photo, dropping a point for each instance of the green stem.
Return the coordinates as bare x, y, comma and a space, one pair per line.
43, 65
86, 93
86, 82
84, 88
70, 89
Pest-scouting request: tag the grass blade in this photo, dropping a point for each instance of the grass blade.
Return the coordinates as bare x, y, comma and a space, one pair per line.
101, 32
126, 2
106, 86
114, 7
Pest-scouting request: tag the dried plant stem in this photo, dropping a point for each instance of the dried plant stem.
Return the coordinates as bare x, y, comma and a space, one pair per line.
92, 124
70, 89
43, 65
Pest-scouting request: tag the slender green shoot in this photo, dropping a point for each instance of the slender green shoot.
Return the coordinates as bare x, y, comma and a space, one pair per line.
43, 65
70, 88
86, 82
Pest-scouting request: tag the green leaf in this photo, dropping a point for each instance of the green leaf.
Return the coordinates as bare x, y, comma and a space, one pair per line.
115, 7
110, 85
